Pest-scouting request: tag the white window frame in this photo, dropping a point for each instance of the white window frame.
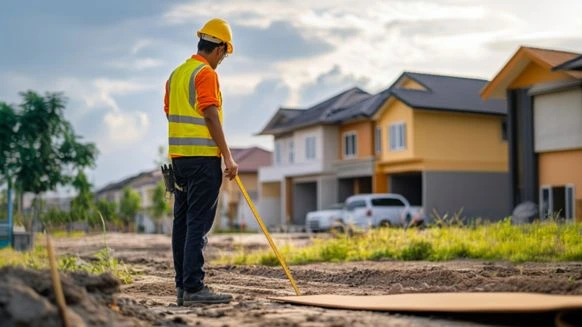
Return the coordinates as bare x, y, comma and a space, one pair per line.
572, 215
307, 148
277, 152
345, 144
291, 151
398, 130
378, 140
550, 210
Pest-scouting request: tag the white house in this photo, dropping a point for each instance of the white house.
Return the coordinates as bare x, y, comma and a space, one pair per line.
302, 177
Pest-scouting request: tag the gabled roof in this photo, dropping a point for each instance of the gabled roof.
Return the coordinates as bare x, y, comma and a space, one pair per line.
363, 109
316, 114
446, 93
148, 176
280, 120
249, 160
574, 64
545, 58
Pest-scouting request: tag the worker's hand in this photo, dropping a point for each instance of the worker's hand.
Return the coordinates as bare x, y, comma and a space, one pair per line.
231, 169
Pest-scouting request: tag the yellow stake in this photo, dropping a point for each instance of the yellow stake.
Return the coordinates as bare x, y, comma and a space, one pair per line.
266, 232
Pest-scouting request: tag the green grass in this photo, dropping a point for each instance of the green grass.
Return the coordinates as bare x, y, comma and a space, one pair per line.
547, 241
65, 234
37, 259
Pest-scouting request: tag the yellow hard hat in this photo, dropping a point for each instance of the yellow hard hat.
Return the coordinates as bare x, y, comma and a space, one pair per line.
217, 30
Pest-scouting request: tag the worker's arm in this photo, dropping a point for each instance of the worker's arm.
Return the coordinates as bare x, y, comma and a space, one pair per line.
215, 127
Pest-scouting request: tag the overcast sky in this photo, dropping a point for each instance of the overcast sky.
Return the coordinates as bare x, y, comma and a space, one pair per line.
112, 58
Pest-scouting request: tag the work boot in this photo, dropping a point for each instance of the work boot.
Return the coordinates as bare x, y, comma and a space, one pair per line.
205, 296
180, 296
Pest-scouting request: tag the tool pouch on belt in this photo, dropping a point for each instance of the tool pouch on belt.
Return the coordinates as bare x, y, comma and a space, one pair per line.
170, 179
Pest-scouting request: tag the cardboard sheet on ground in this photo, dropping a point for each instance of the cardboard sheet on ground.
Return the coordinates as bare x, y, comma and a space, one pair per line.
444, 302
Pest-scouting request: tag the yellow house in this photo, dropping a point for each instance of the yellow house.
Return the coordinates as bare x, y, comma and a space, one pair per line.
543, 89
442, 147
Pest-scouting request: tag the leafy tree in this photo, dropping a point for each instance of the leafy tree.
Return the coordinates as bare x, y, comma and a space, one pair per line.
108, 210
8, 123
55, 217
160, 208
129, 207
45, 151
82, 204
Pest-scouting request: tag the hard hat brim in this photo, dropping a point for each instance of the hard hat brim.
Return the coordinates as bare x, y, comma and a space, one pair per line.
210, 38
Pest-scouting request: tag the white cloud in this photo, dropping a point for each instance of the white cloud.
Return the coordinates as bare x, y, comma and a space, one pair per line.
123, 129
136, 63
140, 44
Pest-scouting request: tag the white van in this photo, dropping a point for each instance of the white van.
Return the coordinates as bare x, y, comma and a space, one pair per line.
379, 210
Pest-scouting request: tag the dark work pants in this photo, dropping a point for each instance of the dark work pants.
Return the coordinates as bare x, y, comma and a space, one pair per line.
194, 211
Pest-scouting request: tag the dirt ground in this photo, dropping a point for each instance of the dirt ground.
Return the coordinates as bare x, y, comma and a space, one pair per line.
150, 300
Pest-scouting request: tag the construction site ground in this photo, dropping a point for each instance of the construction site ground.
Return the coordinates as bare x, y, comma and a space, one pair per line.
150, 299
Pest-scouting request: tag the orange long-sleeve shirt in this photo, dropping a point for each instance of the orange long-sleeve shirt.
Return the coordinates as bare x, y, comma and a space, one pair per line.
207, 88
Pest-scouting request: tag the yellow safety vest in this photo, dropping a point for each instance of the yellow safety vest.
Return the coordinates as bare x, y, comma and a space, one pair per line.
188, 135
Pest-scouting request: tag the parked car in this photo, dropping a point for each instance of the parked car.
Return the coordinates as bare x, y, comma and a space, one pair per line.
380, 210
323, 220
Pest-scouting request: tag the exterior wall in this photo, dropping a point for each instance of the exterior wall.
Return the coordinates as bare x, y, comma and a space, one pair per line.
245, 216
327, 147
269, 206
395, 111
250, 181
459, 141
411, 85
365, 137
355, 168
558, 120
324, 156
534, 74
561, 168
380, 182
484, 195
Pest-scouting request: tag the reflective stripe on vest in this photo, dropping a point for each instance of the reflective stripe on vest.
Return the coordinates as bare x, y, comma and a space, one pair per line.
188, 134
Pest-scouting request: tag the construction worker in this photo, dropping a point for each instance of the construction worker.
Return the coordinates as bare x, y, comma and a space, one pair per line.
193, 106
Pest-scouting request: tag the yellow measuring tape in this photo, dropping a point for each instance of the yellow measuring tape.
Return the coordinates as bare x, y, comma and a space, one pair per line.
266, 232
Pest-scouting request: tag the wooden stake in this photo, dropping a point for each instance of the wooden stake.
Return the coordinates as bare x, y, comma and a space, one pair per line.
60, 297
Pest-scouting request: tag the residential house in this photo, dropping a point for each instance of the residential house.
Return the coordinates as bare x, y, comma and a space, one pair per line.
442, 147
543, 91
302, 177
144, 184
233, 209
358, 145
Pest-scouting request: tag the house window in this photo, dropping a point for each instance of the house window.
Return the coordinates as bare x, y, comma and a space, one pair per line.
350, 144
291, 151
310, 147
378, 140
277, 152
397, 136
